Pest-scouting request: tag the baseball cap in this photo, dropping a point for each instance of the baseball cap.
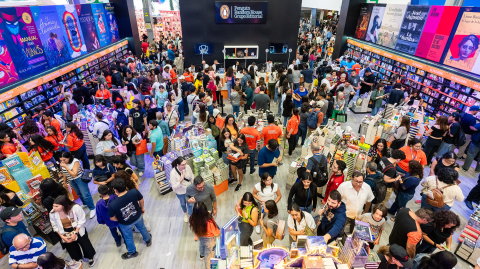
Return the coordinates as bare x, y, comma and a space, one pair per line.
181, 77
9, 212
455, 115
401, 255
320, 104
474, 108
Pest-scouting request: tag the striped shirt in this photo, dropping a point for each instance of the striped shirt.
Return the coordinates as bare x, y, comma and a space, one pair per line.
70, 167
37, 248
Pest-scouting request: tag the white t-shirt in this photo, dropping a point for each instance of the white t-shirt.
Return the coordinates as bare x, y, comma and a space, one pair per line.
268, 193
308, 219
115, 113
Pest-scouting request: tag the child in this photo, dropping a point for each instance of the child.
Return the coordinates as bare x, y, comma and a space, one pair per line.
102, 213
376, 221
161, 96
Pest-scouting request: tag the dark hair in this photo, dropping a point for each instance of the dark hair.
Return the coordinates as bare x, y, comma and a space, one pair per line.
341, 165
447, 175
413, 141
177, 161
248, 197
50, 188
385, 147
199, 219
202, 117
416, 169
103, 190
449, 155
74, 129
263, 178
357, 174
272, 208
297, 208
335, 195
251, 121
222, 134
99, 115
424, 213
440, 260
98, 159
136, 101
65, 202
119, 159
145, 104
272, 144
68, 155
124, 132
119, 185
295, 111
382, 208
241, 136
48, 113
54, 130
50, 261
444, 217
405, 122
40, 142
198, 180
30, 126
114, 139
270, 118
398, 154
127, 178
304, 108
234, 125
154, 123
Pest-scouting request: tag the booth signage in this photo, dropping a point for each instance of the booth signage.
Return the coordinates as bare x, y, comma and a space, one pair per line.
203, 48
241, 12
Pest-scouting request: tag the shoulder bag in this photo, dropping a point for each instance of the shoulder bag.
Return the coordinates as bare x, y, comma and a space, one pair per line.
437, 200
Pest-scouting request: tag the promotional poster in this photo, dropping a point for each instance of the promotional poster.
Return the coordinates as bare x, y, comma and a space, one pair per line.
375, 24
392, 22
241, 12
363, 19
436, 31
87, 23
411, 29
112, 23
72, 30
102, 26
22, 41
50, 31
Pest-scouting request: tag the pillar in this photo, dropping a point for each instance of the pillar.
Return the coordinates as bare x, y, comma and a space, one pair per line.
347, 24
127, 23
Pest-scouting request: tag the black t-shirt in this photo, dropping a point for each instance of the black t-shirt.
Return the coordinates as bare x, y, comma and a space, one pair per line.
137, 116
152, 114
437, 236
366, 88
413, 98
386, 167
404, 225
127, 168
454, 128
186, 88
206, 79
85, 93
440, 165
126, 208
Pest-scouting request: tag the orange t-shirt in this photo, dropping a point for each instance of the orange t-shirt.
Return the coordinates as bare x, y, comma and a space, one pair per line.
188, 78
173, 75
105, 94
252, 136
54, 140
46, 154
9, 149
293, 124
55, 123
271, 132
418, 156
233, 131
73, 143
212, 230
357, 68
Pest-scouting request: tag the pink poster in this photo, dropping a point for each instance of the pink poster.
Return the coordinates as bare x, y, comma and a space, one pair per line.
429, 31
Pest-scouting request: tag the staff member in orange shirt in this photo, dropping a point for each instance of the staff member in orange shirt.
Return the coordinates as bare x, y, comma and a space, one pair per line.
103, 95
75, 144
188, 76
51, 121
44, 147
271, 131
173, 74
292, 130
6, 146
413, 152
56, 139
252, 136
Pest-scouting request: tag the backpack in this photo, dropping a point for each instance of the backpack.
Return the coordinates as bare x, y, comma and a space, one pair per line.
379, 191
460, 138
312, 120
4, 249
319, 171
73, 108
437, 194
122, 119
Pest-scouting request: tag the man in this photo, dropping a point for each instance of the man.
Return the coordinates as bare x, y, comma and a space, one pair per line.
357, 67
269, 65
200, 100
387, 166
255, 67
333, 217
453, 131
291, 66
137, 117
100, 126
473, 195
473, 149
201, 191
406, 230
185, 88
396, 94
321, 70
173, 74
354, 80
246, 77
124, 69
348, 91
252, 136
262, 100
12, 216
156, 137
467, 121
362, 72
117, 79
317, 160
343, 72
349, 65
317, 108
355, 195
299, 60
144, 49
205, 65
170, 53
267, 156
307, 78
48, 116
367, 81
128, 209
336, 179
399, 258
373, 176
25, 251
271, 131
192, 68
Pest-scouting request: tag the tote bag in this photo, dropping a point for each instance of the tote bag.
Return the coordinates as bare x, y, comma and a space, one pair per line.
142, 147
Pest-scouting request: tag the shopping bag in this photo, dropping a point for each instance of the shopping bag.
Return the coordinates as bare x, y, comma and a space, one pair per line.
165, 145
254, 105
341, 117
142, 147
121, 149
220, 122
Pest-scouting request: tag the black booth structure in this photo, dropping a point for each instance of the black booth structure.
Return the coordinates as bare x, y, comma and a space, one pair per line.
216, 25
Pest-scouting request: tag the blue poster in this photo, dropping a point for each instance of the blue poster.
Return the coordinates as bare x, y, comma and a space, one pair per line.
51, 34
87, 23
112, 23
71, 28
102, 25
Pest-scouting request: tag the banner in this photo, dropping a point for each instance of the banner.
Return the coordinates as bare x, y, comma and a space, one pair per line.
112, 23
375, 23
241, 12
103, 31
72, 30
392, 21
50, 31
412, 27
87, 23
363, 19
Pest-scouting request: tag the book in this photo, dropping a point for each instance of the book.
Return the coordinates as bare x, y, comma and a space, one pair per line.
301, 241
218, 263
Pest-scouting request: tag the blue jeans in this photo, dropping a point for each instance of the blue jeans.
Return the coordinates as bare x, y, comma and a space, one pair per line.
138, 161
285, 121
295, 86
81, 154
210, 110
81, 188
236, 109
401, 201
206, 248
128, 234
115, 234
399, 169
444, 148
374, 111
227, 162
325, 120
279, 108
253, 152
194, 120
181, 109
229, 88
158, 153
186, 110
424, 204
310, 63
473, 150
275, 98
183, 202
425, 247
307, 209
302, 131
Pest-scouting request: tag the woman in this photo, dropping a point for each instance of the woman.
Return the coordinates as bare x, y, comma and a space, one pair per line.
49, 190
210, 124
270, 217
235, 99
449, 159
313, 95
290, 78
401, 133
292, 130
303, 193
206, 229
178, 101
181, 177
210, 100
9, 198
295, 78
272, 80
338, 105
103, 171
435, 137
55, 138
248, 212
438, 232
413, 152
75, 144
103, 96
188, 75
248, 95
72, 174
150, 108
171, 117
446, 181
440, 260
232, 126
130, 182
298, 221
131, 138
49, 261
406, 187
198, 80
288, 107
7, 147
414, 96
161, 96
107, 146
377, 98
302, 126
378, 150
201, 113
298, 94
67, 105
43, 146
119, 162
388, 261
68, 221
240, 146
266, 190
31, 127
224, 148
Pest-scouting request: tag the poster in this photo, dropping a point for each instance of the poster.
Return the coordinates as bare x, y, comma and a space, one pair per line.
87, 23
411, 29
363, 19
436, 31
375, 23
463, 45
112, 23
22, 41
241, 12
72, 30
50, 31
392, 22
102, 26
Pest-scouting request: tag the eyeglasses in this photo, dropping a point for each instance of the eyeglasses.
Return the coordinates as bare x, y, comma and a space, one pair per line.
24, 247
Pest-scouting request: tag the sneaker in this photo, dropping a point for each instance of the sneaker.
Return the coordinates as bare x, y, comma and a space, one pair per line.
253, 171
119, 243
149, 242
201, 257
127, 255
185, 218
463, 169
91, 262
461, 158
418, 201
92, 213
469, 204
238, 187
231, 180
140, 174
257, 229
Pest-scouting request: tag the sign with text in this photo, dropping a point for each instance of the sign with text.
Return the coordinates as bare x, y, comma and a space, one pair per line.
241, 12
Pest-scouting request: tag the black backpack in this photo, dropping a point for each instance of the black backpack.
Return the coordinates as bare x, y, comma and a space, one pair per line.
319, 171
460, 139
4, 249
379, 191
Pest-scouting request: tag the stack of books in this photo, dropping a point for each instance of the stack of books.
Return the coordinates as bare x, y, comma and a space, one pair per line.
466, 249
246, 256
316, 242
469, 250
198, 162
373, 261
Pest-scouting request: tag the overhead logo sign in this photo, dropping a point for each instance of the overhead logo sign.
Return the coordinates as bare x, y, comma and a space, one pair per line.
241, 12
203, 48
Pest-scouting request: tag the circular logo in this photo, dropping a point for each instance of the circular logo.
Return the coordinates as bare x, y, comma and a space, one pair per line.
26, 18
224, 12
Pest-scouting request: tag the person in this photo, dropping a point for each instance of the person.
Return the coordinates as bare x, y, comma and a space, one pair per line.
473, 149
252, 136
356, 196
235, 100
467, 122
248, 210
270, 217
401, 133
13, 219
299, 221
367, 81
25, 251
439, 232
240, 146
230, 78
262, 100
107, 146
68, 221
120, 164
326, 81
396, 95
376, 219
302, 125
303, 193
337, 178
439, 260
267, 156
55, 138
224, 147
394, 257
8, 198
7, 147
248, 96
390, 174
288, 105
406, 230
204, 227
102, 216
308, 75
150, 108
377, 98
128, 209
49, 190
339, 105
407, 186
137, 117
50, 120
211, 124
201, 191
130, 139
413, 152
156, 137
329, 107
271, 131
292, 130
452, 135
333, 219
449, 159
298, 94
50, 261
200, 113
103, 172
43, 146
171, 116
378, 150
447, 182
100, 126
435, 136
103, 95
76, 145
161, 96
180, 178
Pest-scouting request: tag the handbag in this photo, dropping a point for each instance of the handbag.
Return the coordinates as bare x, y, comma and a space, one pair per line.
142, 147
341, 117
87, 176
253, 106
121, 149
371, 104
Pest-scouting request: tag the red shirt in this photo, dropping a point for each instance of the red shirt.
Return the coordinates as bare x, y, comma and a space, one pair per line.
73, 142
54, 140
9, 149
144, 47
252, 136
333, 184
293, 124
173, 75
271, 132
46, 154
55, 123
